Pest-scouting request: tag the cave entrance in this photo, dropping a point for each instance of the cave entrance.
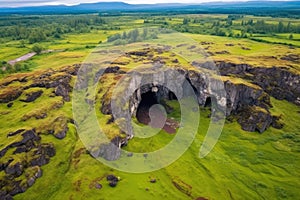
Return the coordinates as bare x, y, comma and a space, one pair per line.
153, 109
148, 100
208, 102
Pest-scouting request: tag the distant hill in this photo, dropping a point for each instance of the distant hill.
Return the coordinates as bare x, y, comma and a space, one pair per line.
213, 7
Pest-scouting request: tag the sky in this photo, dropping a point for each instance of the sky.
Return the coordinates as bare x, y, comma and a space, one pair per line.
21, 3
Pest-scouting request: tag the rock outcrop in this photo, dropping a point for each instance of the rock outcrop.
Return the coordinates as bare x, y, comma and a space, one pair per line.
279, 82
24, 152
240, 97
30, 97
35, 154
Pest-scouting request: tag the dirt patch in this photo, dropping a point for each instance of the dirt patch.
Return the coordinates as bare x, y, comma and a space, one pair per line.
154, 115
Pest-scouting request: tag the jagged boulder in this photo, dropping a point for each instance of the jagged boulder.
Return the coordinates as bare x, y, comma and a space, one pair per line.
63, 91
14, 169
255, 119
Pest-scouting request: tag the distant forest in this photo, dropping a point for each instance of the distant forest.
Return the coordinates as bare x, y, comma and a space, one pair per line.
35, 29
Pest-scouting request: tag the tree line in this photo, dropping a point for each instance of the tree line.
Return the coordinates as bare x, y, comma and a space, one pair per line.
135, 35
39, 29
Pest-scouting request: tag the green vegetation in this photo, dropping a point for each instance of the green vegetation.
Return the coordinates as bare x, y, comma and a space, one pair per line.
262, 166
132, 36
242, 164
37, 49
72, 37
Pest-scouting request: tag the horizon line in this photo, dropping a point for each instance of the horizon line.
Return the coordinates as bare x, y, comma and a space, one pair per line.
147, 3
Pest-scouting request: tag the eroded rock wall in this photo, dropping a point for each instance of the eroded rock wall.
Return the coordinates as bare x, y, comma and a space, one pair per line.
279, 82
239, 97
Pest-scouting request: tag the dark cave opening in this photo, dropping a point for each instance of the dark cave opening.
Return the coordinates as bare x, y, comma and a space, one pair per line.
207, 102
148, 99
172, 96
153, 109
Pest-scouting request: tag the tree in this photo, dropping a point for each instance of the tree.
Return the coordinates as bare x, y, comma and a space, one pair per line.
229, 22
37, 49
145, 33
18, 67
185, 21
288, 28
133, 35
37, 36
250, 22
124, 36
280, 27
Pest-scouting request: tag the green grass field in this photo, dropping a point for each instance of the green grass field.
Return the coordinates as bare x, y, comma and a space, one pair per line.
262, 166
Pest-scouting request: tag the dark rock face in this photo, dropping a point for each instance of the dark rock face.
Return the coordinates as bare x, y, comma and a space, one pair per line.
51, 80
291, 57
32, 96
276, 122
252, 119
231, 68
63, 91
106, 104
14, 169
114, 69
278, 82
119, 141
240, 97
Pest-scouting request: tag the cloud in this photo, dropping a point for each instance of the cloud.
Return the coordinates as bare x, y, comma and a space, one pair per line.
21, 3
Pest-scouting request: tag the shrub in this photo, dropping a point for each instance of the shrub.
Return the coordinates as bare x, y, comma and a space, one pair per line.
37, 49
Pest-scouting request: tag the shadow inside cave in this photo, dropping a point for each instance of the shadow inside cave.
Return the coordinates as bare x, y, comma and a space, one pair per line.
153, 110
